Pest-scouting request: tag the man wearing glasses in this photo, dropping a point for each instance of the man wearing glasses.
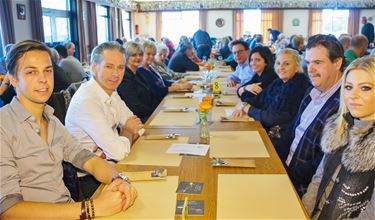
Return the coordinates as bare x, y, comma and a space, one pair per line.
243, 72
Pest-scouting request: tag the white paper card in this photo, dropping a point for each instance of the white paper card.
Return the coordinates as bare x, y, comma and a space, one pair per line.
190, 149
195, 95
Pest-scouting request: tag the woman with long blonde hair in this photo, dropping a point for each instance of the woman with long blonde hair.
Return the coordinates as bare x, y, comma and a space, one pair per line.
343, 186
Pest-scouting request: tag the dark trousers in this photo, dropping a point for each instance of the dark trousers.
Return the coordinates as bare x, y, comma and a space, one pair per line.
88, 185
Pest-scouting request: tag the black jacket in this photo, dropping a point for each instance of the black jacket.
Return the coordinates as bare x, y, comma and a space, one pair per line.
265, 78
137, 95
181, 63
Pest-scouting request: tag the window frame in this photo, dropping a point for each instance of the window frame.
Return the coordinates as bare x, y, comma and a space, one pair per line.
108, 23
129, 21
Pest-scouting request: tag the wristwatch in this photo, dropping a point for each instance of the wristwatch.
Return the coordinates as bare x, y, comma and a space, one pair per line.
121, 176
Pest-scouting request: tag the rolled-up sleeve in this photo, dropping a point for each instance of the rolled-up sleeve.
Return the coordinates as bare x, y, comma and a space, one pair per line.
10, 192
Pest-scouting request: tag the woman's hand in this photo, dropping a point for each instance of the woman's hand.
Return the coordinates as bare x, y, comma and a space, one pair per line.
254, 88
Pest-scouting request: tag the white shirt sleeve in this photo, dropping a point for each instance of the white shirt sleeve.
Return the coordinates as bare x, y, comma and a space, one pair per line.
91, 119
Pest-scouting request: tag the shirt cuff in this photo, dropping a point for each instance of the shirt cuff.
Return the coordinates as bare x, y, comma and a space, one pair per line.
8, 201
82, 157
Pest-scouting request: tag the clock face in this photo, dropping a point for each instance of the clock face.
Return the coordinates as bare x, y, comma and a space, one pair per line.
220, 22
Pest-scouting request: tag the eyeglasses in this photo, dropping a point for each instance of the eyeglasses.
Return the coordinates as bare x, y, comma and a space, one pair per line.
238, 52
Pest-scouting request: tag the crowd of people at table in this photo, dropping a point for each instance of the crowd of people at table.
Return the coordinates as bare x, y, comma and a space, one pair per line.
315, 100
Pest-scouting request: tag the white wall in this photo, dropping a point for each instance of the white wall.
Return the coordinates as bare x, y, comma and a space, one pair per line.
370, 14
146, 23
289, 29
22, 28
226, 30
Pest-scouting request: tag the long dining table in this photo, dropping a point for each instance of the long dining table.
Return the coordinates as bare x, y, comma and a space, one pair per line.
200, 169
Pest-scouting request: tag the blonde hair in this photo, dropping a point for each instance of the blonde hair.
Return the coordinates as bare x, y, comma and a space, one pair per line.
367, 64
296, 58
147, 44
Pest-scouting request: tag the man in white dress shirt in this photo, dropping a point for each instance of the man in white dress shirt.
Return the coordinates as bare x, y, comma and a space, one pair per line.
96, 111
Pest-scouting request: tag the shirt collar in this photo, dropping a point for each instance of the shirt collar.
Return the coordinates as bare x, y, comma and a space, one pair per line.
316, 94
23, 114
246, 63
103, 96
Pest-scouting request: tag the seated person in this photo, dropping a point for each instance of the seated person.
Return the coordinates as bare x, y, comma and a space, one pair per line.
299, 143
134, 89
96, 111
181, 60
261, 62
159, 64
346, 175
298, 44
156, 83
279, 102
256, 42
358, 48
61, 80
34, 143
224, 50
243, 72
70, 65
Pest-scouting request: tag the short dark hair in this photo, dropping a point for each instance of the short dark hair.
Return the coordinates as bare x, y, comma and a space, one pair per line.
185, 46
265, 53
359, 41
236, 42
61, 49
19, 49
330, 42
121, 42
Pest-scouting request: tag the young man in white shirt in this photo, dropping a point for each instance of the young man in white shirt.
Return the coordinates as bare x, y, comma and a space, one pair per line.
96, 111
34, 143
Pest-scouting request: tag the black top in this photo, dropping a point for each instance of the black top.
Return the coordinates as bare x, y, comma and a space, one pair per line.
181, 63
279, 102
368, 31
157, 85
265, 78
137, 95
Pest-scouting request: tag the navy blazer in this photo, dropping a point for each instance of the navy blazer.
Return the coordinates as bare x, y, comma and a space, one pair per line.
155, 82
279, 102
137, 95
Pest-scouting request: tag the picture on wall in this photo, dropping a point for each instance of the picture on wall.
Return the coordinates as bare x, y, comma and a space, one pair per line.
21, 11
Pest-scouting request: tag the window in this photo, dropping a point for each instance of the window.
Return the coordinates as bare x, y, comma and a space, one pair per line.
176, 24
251, 22
126, 24
315, 22
102, 18
335, 21
56, 20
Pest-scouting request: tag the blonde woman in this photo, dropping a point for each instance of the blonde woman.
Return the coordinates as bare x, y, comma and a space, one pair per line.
278, 103
343, 185
154, 80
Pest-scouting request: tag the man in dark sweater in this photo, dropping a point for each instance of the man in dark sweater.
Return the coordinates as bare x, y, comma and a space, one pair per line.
368, 30
299, 145
181, 61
